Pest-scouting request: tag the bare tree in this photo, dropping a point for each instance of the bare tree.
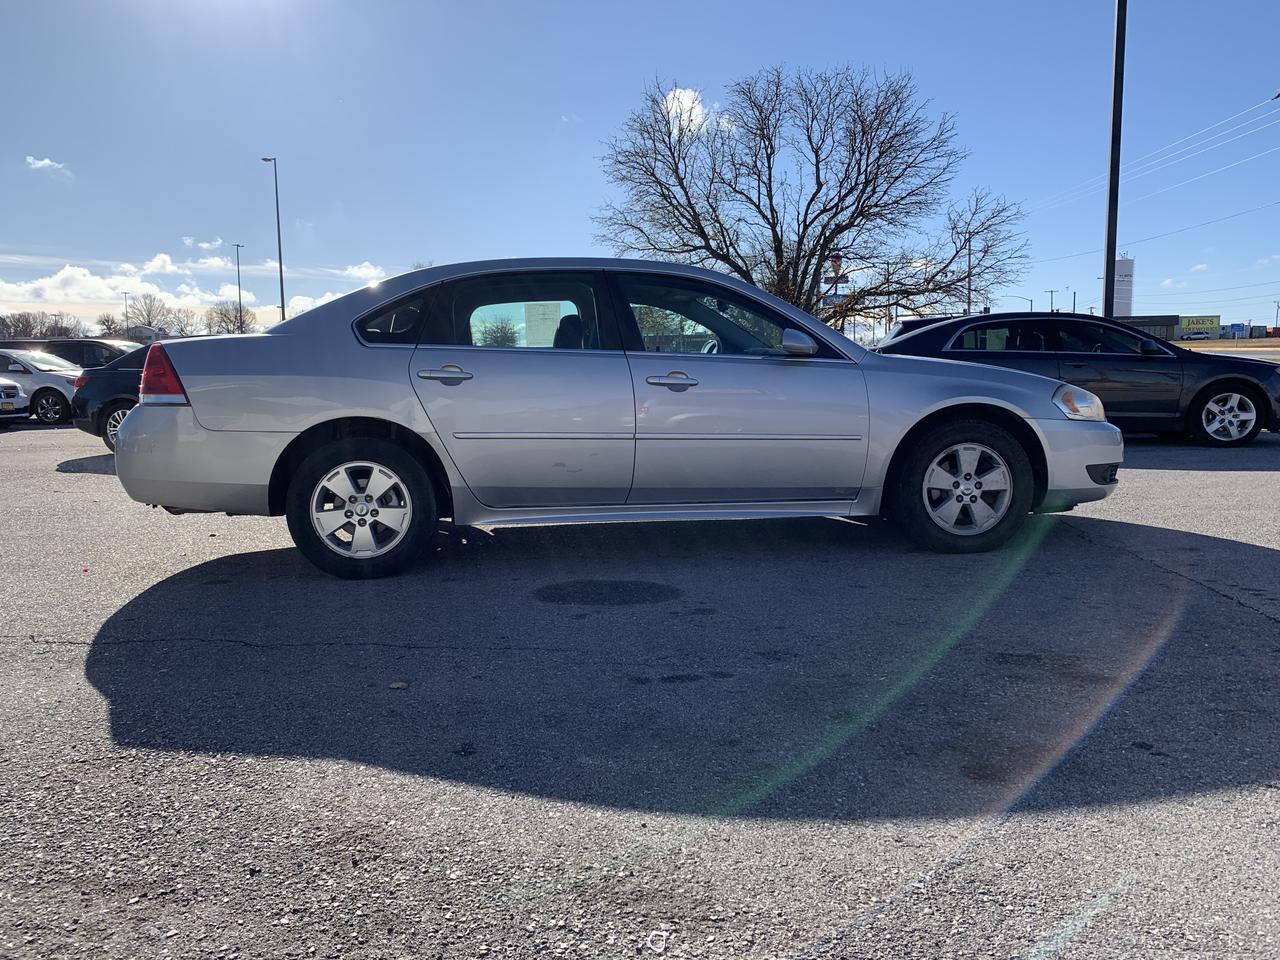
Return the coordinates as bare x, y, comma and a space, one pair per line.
40, 324
62, 325
225, 317
148, 310
182, 322
797, 174
498, 332
110, 325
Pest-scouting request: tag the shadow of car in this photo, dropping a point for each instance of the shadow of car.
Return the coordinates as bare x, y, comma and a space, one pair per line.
784, 669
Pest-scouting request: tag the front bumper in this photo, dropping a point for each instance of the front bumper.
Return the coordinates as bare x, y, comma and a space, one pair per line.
1071, 448
164, 457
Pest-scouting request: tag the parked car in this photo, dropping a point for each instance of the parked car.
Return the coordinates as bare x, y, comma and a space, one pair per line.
83, 352
1146, 384
1197, 335
48, 380
14, 404
551, 391
105, 395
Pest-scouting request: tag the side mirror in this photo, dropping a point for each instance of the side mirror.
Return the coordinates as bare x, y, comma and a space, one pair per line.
797, 343
17, 368
1151, 348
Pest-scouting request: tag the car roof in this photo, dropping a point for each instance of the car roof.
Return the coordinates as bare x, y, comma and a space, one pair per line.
974, 318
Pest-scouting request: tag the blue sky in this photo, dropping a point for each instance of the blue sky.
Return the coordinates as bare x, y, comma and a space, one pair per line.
442, 132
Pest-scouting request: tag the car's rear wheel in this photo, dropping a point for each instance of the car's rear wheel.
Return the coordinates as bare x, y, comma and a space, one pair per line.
112, 417
361, 508
1227, 416
964, 487
50, 407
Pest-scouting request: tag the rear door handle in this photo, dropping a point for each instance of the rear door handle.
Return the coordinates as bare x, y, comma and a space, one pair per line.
449, 372
674, 380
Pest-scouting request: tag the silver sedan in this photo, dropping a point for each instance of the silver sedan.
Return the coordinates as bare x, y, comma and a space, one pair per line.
580, 390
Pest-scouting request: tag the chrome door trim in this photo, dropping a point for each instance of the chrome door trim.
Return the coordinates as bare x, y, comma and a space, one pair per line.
748, 436
543, 436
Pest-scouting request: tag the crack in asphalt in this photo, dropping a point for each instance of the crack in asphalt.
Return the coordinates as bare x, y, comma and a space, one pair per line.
1177, 573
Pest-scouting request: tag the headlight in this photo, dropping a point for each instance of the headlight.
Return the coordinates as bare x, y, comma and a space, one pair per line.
1078, 403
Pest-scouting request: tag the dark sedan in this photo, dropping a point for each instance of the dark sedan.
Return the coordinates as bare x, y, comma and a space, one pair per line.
104, 395
1146, 384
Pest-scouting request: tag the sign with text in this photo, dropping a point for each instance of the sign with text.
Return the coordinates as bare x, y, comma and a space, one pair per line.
1198, 324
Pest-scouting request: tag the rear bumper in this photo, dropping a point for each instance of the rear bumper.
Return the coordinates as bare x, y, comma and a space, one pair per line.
164, 457
1072, 448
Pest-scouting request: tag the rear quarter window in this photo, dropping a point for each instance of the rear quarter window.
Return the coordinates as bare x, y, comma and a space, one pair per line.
400, 322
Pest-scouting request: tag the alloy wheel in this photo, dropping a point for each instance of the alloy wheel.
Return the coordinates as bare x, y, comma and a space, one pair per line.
967, 489
113, 425
361, 509
1229, 416
49, 409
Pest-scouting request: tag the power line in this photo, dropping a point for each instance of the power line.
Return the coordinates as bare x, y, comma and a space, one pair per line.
1228, 166
1243, 286
1158, 236
1102, 177
1168, 161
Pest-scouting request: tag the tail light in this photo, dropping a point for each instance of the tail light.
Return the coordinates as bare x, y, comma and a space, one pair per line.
160, 383
79, 381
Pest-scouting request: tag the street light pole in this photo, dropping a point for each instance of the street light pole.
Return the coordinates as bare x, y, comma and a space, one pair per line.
275, 176
1113, 183
239, 295
1051, 293
126, 311
1031, 304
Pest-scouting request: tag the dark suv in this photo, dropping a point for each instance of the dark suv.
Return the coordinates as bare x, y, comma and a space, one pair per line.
84, 352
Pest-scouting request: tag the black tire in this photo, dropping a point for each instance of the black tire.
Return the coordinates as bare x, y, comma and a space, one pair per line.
50, 407
322, 463
1196, 412
105, 420
907, 504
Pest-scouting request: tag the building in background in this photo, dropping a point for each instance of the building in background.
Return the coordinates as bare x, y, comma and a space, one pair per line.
1124, 287
1164, 326
1210, 324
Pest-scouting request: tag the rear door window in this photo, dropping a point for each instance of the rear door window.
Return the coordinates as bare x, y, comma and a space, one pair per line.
1023, 336
532, 311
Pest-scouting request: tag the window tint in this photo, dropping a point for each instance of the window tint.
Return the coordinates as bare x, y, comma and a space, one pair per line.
1022, 335
134, 359
97, 355
398, 323
680, 316
1078, 336
540, 311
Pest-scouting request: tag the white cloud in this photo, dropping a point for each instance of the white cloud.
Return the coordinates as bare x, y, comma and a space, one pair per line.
1170, 284
53, 166
72, 284
684, 108
213, 244
365, 272
1200, 268
163, 263
228, 292
188, 241
1263, 261
299, 305
210, 264
128, 268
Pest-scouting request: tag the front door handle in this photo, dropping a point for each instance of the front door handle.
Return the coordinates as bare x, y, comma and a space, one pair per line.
675, 380
449, 373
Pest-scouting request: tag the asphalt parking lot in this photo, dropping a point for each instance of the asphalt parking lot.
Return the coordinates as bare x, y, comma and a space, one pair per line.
773, 739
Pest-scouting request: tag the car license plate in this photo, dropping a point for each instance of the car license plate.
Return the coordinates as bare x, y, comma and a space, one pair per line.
6, 405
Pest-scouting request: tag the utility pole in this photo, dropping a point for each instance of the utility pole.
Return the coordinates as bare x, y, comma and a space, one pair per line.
1113, 183
239, 295
1073, 301
126, 310
1051, 293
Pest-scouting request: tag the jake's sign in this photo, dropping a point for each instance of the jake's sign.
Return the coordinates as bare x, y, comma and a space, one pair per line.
1198, 324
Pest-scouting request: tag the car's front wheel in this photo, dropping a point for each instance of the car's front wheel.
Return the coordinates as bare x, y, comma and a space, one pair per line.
361, 508
1227, 416
964, 487
50, 407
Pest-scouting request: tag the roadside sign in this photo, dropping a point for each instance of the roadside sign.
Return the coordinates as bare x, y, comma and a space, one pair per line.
1196, 324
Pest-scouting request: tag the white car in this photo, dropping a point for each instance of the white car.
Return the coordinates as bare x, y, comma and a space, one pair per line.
14, 403
48, 380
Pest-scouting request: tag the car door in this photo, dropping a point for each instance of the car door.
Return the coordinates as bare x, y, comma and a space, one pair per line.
723, 414
1137, 389
1021, 343
524, 379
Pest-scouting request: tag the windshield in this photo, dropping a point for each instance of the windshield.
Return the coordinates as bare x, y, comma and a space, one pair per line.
44, 362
